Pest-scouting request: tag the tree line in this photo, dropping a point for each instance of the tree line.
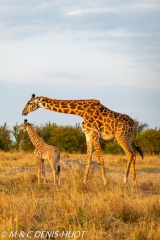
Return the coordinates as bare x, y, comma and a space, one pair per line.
71, 139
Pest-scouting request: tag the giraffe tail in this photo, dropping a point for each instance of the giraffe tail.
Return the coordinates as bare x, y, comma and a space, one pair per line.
58, 168
137, 147
139, 150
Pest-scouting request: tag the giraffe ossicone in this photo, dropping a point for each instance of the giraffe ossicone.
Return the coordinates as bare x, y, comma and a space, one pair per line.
99, 122
43, 152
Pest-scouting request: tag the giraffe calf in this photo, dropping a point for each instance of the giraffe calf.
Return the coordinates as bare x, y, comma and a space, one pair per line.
43, 152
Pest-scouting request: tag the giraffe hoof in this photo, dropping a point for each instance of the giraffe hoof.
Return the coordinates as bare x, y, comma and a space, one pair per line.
105, 183
125, 180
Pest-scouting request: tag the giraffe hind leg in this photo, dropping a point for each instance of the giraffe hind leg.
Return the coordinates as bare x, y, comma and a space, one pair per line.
57, 167
58, 170
100, 158
39, 170
43, 170
88, 158
131, 159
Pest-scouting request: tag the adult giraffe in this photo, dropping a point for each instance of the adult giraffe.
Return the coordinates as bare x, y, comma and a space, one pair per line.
99, 122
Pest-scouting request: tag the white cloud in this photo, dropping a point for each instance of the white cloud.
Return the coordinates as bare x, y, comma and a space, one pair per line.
150, 6
93, 11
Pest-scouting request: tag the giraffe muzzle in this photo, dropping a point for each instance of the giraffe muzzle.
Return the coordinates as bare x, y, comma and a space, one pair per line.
24, 113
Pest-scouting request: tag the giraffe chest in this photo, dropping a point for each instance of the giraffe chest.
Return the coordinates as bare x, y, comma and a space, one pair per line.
103, 130
107, 132
107, 135
108, 128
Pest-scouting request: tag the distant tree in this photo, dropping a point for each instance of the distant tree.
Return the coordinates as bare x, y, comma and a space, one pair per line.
18, 135
149, 140
141, 126
5, 138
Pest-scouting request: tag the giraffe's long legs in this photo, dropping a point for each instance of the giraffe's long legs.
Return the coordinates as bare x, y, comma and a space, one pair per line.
58, 174
99, 154
133, 169
57, 167
54, 161
53, 170
43, 170
92, 138
131, 159
39, 166
125, 180
89, 157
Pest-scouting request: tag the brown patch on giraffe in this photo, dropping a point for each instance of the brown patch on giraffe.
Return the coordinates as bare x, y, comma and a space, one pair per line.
112, 124
108, 120
65, 111
98, 123
73, 105
80, 108
89, 125
48, 106
71, 112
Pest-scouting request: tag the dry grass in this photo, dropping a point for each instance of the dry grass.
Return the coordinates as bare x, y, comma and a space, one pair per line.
112, 212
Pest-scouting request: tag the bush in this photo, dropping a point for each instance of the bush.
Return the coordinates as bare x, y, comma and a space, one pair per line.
5, 138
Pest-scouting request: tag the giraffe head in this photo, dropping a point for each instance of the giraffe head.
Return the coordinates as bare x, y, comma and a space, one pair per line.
32, 105
24, 125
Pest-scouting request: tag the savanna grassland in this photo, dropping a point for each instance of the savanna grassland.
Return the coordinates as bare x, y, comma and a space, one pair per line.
77, 211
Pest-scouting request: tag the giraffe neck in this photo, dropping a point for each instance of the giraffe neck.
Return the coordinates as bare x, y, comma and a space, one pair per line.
35, 139
77, 107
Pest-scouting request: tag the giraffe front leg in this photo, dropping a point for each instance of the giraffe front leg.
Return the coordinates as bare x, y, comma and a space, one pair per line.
88, 157
38, 160
43, 170
54, 172
39, 170
99, 154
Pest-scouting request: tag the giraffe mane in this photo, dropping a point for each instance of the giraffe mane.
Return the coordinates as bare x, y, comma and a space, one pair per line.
79, 100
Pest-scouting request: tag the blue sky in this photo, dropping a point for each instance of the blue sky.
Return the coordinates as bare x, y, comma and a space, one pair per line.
107, 50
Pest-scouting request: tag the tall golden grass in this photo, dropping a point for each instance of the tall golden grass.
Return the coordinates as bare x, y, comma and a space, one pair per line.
78, 211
